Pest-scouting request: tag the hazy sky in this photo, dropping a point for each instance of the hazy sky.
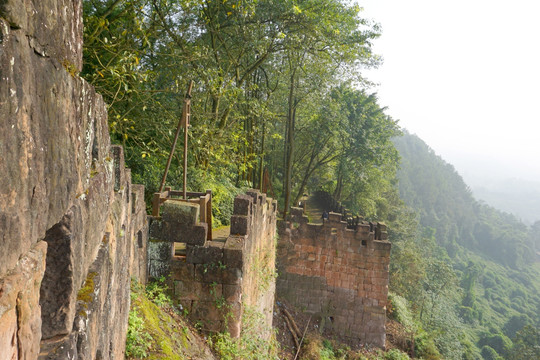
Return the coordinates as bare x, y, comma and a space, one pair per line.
464, 75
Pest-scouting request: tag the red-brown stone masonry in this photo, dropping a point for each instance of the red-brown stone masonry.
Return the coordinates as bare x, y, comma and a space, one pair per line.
216, 283
352, 278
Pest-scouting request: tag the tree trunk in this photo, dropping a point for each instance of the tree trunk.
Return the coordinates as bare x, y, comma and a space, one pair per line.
307, 175
339, 184
289, 145
261, 156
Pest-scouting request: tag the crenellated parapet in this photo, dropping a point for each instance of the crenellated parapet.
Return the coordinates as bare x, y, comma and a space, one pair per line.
337, 273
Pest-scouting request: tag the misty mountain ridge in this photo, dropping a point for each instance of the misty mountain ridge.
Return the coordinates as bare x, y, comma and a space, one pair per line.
492, 186
445, 203
516, 196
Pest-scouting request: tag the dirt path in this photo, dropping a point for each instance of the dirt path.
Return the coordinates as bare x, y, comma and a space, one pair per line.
221, 233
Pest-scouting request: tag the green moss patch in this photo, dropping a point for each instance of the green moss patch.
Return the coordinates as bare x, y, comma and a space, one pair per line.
170, 337
85, 293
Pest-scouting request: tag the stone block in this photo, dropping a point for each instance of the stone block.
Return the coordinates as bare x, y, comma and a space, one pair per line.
214, 252
159, 258
240, 225
209, 273
232, 276
232, 293
195, 235
334, 217
211, 254
215, 273
297, 212
243, 205
384, 246
189, 289
254, 193
157, 229
180, 212
178, 232
233, 252
160, 250
214, 291
206, 310
181, 270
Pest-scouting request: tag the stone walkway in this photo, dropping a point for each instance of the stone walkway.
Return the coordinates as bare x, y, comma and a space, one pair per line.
313, 209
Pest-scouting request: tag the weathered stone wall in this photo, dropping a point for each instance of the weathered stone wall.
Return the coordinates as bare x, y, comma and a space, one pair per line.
253, 229
338, 274
217, 282
72, 226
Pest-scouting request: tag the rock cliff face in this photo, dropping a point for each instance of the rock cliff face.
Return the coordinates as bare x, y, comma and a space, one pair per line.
72, 227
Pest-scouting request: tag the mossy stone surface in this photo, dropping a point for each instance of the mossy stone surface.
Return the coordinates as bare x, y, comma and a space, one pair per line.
172, 337
181, 212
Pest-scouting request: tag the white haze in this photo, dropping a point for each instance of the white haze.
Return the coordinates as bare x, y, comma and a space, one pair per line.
464, 76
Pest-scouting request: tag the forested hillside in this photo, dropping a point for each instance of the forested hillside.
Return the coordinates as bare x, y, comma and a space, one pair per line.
490, 253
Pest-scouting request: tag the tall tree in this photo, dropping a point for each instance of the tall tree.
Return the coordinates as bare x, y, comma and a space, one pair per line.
321, 47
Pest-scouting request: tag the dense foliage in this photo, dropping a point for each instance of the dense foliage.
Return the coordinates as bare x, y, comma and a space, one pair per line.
277, 102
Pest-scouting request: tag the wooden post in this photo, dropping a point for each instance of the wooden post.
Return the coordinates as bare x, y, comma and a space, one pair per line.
184, 122
186, 125
209, 213
202, 208
156, 202
186, 117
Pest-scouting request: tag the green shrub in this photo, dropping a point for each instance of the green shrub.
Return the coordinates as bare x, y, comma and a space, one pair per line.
157, 292
425, 347
526, 344
499, 342
250, 346
401, 312
470, 351
488, 353
515, 323
223, 193
138, 340
326, 354
396, 354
